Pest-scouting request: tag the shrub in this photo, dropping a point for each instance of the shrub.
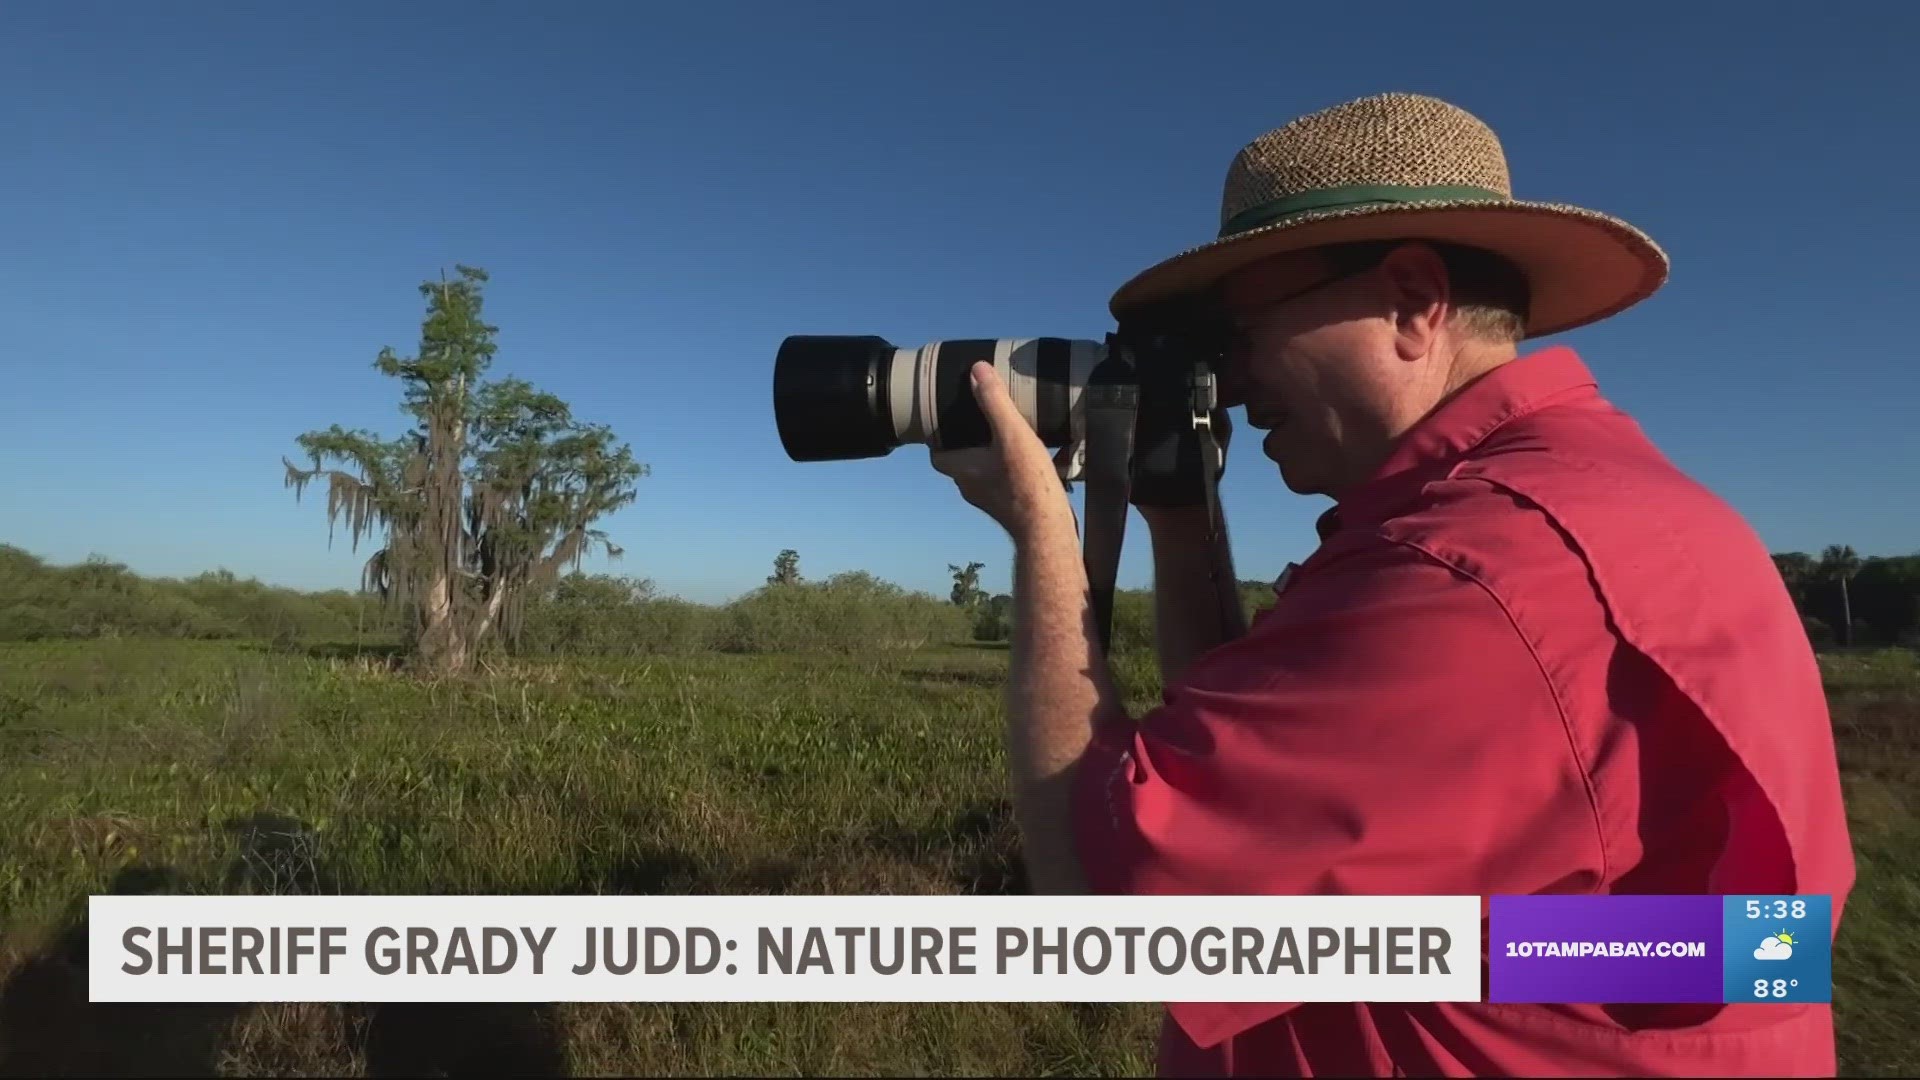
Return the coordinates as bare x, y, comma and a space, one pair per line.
604, 615
850, 612
27, 622
101, 598
619, 629
993, 619
262, 611
1133, 621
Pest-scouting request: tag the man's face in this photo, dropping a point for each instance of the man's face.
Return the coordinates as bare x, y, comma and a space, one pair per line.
1312, 368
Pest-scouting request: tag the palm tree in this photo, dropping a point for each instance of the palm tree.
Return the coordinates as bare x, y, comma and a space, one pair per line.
966, 584
1839, 562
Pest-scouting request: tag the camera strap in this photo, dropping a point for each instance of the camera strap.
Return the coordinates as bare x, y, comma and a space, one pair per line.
1112, 399
1206, 397
1203, 405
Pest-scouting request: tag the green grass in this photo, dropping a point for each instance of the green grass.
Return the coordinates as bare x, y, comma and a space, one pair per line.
183, 766
216, 766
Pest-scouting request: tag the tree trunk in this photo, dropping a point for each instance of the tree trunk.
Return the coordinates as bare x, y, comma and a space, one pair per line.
1846, 615
439, 649
443, 648
445, 654
491, 616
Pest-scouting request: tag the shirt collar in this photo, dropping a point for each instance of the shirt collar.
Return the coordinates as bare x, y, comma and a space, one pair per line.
1459, 424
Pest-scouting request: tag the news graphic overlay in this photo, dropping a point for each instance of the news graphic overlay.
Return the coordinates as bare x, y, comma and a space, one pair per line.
783, 948
1779, 948
1659, 949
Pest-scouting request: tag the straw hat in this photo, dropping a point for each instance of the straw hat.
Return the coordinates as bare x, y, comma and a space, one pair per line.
1404, 166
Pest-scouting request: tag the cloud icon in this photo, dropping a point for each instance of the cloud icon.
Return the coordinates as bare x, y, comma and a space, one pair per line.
1772, 948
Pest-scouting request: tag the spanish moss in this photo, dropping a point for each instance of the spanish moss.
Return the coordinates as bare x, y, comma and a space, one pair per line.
489, 499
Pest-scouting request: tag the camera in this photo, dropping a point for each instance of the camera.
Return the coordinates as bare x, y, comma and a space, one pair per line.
838, 398
841, 398
1135, 416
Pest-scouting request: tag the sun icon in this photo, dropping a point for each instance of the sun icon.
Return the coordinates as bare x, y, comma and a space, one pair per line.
1784, 938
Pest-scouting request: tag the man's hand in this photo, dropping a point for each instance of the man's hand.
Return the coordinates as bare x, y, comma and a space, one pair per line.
1014, 478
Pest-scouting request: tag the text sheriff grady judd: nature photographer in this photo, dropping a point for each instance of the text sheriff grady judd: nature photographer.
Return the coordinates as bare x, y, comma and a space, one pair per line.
815, 950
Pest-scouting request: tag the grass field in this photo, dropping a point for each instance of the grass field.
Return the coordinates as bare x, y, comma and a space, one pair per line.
195, 766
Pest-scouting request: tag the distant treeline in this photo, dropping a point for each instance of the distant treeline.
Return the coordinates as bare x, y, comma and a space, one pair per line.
1882, 594
582, 613
592, 614
601, 614
99, 598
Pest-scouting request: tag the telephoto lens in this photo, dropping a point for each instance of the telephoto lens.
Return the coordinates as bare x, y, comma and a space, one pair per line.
837, 398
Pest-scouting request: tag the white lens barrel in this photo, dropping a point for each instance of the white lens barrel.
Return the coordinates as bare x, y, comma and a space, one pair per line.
910, 378
1018, 362
1085, 356
912, 386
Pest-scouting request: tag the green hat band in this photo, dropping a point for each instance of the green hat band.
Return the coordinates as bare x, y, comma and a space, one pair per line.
1352, 195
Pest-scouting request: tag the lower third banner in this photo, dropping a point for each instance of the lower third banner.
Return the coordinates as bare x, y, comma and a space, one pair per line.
784, 948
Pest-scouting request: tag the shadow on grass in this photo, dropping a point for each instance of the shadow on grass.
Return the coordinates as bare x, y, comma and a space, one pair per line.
49, 1028
462, 1039
986, 680
386, 653
654, 870
977, 847
974, 850
347, 650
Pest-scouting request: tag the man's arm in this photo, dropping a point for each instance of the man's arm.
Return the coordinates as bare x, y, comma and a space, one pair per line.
1196, 597
1060, 691
1058, 688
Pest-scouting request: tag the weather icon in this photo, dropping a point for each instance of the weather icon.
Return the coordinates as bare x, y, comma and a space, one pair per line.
1775, 947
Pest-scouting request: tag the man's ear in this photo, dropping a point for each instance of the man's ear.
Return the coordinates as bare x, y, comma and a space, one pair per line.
1419, 297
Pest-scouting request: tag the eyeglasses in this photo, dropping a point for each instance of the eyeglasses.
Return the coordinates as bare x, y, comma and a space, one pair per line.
1240, 336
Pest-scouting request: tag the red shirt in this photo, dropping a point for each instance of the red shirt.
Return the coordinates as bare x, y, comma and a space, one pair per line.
1529, 656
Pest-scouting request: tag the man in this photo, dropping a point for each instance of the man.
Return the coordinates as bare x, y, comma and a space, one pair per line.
1528, 656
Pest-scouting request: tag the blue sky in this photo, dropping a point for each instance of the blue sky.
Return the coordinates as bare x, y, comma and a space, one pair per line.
214, 217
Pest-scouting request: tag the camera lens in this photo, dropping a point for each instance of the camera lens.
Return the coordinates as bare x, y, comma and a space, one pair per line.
830, 397
838, 398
